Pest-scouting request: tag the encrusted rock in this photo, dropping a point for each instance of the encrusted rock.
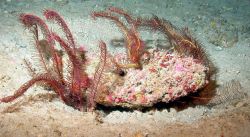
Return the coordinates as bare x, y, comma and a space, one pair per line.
165, 77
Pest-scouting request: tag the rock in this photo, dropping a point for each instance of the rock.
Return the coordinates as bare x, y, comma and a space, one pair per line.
164, 78
218, 48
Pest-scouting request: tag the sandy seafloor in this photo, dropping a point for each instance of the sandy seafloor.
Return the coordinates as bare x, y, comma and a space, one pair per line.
222, 26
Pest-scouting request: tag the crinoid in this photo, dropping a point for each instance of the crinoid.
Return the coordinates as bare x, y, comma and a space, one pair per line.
134, 45
151, 75
70, 87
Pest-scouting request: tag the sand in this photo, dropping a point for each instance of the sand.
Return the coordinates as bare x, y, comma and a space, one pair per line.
222, 27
